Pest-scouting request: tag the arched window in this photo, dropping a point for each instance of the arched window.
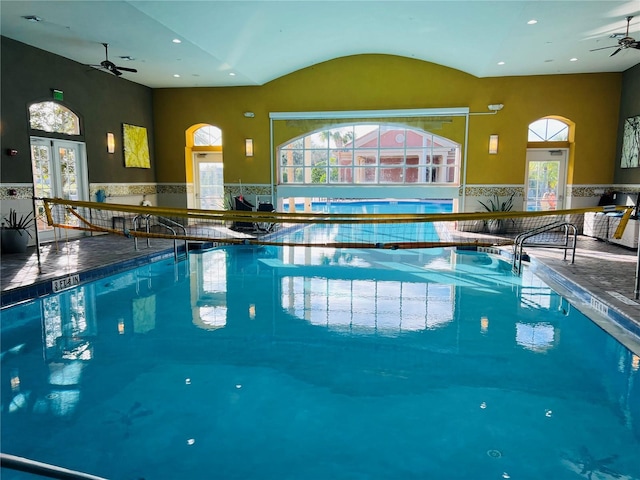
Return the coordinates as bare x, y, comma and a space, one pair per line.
207, 136
548, 130
53, 117
369, 154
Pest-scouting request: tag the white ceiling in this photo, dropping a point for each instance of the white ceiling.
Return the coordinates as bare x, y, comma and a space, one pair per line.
262, 40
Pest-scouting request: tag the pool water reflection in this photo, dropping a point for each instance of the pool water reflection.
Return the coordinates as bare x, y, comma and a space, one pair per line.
315, 363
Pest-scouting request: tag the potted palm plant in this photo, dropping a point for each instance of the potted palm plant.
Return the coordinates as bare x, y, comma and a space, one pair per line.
496, 225
14, 233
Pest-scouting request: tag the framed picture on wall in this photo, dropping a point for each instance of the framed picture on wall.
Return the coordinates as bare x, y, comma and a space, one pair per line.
631, 143
136, 146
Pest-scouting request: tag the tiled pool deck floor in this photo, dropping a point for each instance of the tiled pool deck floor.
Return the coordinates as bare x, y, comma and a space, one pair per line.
604, 271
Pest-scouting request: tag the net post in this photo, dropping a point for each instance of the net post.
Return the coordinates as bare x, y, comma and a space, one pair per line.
37, 236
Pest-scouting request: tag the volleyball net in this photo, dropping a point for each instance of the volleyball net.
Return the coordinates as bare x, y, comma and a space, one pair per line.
338, 230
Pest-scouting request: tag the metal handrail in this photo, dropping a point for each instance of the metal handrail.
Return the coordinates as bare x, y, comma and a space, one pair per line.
134, 225
22, 464
161, 221
518, 244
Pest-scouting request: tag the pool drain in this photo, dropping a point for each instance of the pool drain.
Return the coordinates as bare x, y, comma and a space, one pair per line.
494, 453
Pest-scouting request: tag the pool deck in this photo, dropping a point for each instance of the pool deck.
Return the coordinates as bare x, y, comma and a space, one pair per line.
604, 272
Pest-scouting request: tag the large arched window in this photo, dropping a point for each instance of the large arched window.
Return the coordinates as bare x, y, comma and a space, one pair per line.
369, 154
53, 117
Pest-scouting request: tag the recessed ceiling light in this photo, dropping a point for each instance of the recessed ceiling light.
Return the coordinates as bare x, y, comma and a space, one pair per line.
176, 75
574, 59
231, 74
176, 40
500, 63
533, 21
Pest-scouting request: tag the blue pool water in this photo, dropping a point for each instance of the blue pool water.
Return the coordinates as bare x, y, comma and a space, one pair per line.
315, 363
377, 206
368, 233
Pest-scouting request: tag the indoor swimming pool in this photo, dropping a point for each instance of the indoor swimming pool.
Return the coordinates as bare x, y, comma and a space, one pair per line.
315, 363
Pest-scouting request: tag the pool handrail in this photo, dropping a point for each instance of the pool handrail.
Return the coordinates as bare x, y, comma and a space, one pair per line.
570, 242
34, 467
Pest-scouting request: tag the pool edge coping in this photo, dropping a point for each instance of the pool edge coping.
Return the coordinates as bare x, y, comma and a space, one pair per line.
42, 288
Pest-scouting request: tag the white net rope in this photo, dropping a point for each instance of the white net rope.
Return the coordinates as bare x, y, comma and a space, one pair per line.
352, 230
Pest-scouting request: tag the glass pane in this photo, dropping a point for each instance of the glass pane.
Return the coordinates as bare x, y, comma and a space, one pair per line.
298, 175
291, 157
415, 138
53, 117
537, 131
320, 164
452, 174
542, 185
412, 174
317, 140
68, 173
342, 157
42, 181
365, 175
208, 136
548, 129
41, 162
560, 133
211, 185
366, 136
69, 180
392, 137
366, 157
341, 137
439, 175
392, 175
297, 143
386, 159
341, 175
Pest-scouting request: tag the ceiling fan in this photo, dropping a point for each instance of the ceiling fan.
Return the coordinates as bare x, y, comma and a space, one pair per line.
110, 66
624, 42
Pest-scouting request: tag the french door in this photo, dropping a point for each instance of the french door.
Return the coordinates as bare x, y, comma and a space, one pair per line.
209, 181
545, 181
59, 171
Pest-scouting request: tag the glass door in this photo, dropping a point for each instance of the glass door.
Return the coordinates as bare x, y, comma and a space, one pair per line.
546, 172
209, 181
59, 171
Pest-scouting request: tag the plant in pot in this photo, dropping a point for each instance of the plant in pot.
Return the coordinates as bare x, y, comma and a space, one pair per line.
15, 233
497, 225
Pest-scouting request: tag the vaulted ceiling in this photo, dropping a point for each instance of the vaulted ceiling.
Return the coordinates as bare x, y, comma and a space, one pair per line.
234, 43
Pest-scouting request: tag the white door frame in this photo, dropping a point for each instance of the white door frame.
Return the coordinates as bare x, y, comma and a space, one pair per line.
549, 155
82, 178
199, 158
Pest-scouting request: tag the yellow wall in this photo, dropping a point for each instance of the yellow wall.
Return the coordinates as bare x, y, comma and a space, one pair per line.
380, 82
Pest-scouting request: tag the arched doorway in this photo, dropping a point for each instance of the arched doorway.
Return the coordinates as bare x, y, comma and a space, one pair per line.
58, 160
204, 167
548, 151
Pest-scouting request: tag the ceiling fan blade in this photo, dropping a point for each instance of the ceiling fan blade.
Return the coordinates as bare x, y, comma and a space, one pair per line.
635, 45
615, 52
127, 69
603, 48
116, 72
